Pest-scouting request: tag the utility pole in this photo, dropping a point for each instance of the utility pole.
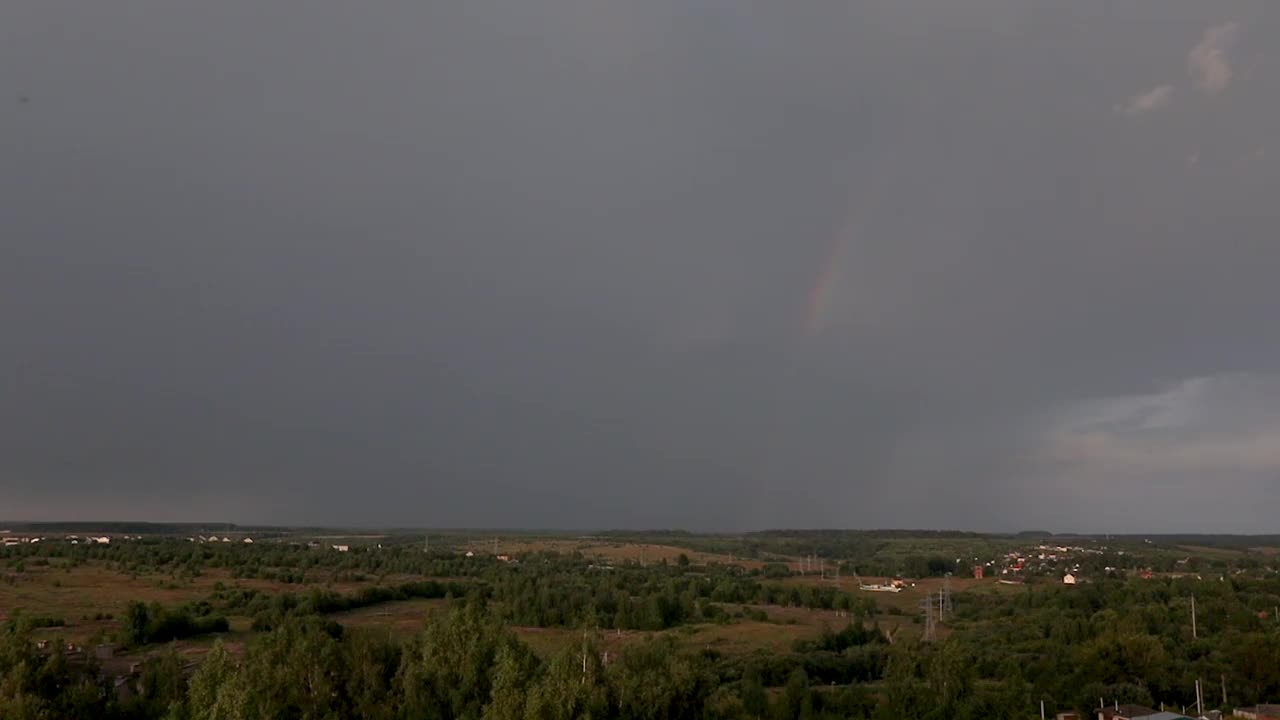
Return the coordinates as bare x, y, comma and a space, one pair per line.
1224, 690
1199, 710
946, 595
929, 628
1041, 710
1194, 636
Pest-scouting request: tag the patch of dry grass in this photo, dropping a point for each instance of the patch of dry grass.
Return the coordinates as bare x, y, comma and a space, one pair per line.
401, 617
79, 594
620, 552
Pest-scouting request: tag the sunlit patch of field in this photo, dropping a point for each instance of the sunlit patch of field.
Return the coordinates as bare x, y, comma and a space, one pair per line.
1211, 551
785, 626
550, 641
779, 633
400, 617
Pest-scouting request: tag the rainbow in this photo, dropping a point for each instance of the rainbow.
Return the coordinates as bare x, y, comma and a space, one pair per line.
823, 289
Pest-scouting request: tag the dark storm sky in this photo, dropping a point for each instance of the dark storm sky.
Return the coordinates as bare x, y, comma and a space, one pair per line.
992, 264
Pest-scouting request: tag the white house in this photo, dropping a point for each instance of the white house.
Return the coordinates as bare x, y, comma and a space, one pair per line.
1068, 579
342, 548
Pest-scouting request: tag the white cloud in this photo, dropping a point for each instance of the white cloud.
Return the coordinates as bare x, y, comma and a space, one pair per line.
1153, 99
1207, 63
1221, 423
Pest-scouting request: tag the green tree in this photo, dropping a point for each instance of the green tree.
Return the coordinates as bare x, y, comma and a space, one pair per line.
754, 699
137, 623
218, 691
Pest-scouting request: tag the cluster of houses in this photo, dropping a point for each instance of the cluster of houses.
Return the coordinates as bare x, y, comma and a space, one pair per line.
1044, 560
216, 539
8, 539
1040, 560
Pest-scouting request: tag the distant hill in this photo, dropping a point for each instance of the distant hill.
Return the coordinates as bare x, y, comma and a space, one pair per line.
119, 527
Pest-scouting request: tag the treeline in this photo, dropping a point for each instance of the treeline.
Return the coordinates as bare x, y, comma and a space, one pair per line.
269, 610
561, 595
280, 561
119, 527
644, 599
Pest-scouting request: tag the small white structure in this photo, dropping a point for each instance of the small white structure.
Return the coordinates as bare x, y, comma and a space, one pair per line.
248, 541
342, 548
470, 554
1068, 579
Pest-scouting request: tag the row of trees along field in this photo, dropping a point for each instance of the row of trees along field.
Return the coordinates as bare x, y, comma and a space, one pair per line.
292, 562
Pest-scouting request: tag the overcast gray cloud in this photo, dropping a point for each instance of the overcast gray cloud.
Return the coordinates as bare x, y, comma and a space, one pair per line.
581, 264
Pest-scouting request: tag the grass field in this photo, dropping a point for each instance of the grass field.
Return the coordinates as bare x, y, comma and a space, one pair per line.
785, 626
616, 552
81, 595
400, 617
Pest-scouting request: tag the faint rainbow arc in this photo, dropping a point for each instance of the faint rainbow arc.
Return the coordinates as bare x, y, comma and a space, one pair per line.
820, 294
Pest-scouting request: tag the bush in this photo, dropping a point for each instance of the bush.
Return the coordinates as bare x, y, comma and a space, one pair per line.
148, 624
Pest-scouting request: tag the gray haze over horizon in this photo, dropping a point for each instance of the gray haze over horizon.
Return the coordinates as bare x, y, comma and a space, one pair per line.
992, 264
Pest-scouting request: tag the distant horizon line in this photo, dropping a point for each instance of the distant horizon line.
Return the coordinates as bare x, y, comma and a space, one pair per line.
394, 528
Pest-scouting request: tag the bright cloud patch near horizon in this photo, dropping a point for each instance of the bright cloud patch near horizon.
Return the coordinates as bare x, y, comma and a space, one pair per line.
1216, 424
1207, 64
